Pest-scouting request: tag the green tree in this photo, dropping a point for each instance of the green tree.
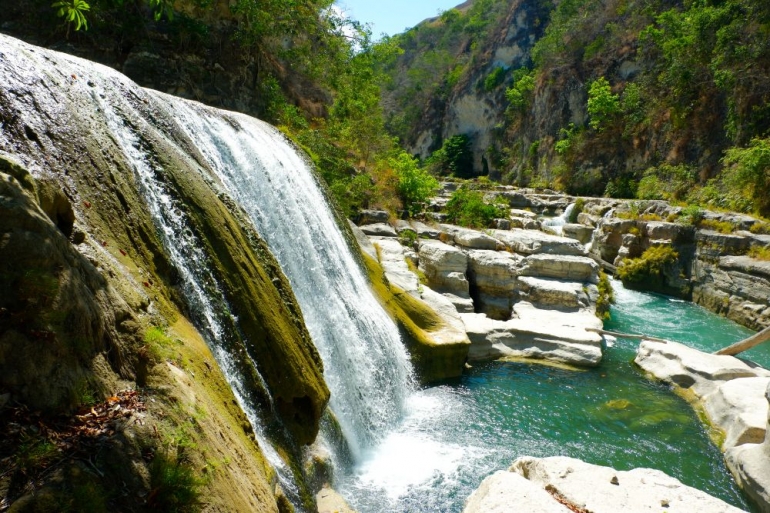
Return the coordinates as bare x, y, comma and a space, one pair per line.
467, 207
415, 184
748, 171
603, 104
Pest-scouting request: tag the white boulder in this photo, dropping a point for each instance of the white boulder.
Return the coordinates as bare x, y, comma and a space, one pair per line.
444, 267
562, 267
508, 492
601, 489
529, 242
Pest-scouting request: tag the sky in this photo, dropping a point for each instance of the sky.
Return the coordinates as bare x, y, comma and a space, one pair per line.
394, 16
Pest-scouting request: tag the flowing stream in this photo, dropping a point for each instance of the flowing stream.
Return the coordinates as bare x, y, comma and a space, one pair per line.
458, 432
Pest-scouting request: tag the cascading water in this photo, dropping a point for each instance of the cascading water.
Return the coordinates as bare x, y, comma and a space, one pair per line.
202, 292
366, 366
556, 224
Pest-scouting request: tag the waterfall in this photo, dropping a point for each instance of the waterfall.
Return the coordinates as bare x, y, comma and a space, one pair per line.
556, 224
365, 364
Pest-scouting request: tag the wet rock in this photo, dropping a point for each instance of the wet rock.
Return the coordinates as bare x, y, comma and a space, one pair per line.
578, 232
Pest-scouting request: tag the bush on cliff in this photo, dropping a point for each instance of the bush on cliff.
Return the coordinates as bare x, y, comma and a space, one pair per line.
468, 208
649, 267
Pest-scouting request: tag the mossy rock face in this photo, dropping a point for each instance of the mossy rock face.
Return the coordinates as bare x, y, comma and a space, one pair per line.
432, 361
57, 313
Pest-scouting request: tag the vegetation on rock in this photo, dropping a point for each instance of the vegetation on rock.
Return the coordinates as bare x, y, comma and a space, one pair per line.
649, 267
468, 207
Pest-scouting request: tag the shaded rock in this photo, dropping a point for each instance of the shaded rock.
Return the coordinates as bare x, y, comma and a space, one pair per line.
379, 230
675, 232
609, 237
505, 492
715, 244
492, 276
529, 242
563, 267
373, 217
605, 490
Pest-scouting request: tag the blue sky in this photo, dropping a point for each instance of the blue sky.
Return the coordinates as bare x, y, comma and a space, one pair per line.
394, 16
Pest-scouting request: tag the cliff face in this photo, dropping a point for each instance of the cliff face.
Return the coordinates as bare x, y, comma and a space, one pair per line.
92, 303
440, 87
586, 96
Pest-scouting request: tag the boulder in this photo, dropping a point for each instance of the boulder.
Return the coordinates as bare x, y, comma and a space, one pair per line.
505, 492
379, 230
424, 231
329, 501
609, 237
444, 267
530, 242
553, 293
601, 489
578, 232
715, 244
675, 232
538, 334
492, 276
562, 267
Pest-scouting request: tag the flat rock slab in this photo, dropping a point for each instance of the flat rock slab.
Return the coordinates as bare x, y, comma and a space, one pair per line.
471, 239
553, 293
379, 230
605, 490
329, 501
530, 242
539, 334
444, 267
562, 267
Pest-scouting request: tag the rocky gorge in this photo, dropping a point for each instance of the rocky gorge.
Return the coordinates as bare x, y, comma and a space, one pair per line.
136, 257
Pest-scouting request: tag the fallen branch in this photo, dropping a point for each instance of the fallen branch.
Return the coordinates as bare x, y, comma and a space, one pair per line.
753, 341
627, 335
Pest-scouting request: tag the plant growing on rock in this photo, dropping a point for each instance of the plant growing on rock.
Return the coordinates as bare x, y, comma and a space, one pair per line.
73, 12
606, 297
648, 267
415, 184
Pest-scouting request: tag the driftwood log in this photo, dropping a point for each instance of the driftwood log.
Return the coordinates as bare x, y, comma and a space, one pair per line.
743, 345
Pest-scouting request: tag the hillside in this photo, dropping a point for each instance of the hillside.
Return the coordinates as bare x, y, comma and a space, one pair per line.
648, 99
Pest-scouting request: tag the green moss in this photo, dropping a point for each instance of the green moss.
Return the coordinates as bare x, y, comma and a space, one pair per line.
174, 487
432, 361
606, 297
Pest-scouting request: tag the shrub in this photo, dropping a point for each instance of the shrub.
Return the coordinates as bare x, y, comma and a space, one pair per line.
691, 214
494, 79
760, 228
467, 207
606, 297
415, 185
759, 252
666, 182
520, 93
455, 157
717, 226
649, 266
747, 172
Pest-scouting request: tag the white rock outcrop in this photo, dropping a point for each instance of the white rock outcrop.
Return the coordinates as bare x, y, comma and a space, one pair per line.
734, 395
553, 293
530, 242
444, 267
587, 487
562, 267
493, 274
535, 333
